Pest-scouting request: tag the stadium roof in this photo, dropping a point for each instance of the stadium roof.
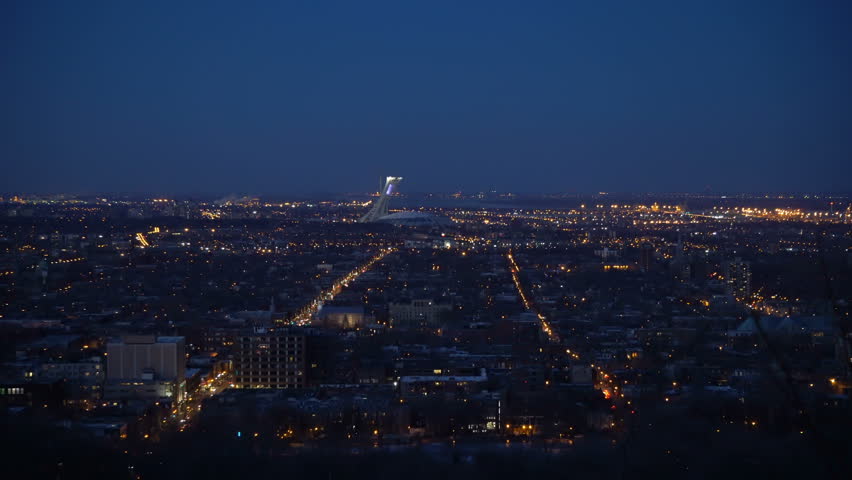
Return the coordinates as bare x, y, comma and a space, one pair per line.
415, 219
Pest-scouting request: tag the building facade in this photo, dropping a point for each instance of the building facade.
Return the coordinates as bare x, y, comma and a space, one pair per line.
271, 358
146, 366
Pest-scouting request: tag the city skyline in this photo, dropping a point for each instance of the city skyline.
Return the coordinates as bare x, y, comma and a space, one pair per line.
258, 336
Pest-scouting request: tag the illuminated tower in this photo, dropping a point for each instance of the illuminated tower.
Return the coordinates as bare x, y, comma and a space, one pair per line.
380, 206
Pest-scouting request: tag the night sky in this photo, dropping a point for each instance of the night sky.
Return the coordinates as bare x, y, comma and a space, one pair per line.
286, 97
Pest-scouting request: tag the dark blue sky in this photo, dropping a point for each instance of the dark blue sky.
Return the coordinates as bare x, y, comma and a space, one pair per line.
313, 96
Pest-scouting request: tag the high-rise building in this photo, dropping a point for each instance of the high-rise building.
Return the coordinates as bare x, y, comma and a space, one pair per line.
271, 358
679, 265
738, 278
646, 257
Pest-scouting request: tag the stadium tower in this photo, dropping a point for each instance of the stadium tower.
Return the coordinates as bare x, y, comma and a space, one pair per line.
380, 206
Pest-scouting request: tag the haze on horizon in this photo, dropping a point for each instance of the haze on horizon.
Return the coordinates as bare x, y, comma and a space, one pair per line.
283, 97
